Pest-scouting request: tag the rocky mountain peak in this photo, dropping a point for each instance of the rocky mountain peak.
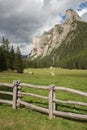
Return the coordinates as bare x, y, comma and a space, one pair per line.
71, 16
53, 38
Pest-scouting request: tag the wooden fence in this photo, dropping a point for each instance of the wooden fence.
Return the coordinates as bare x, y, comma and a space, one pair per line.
52, 101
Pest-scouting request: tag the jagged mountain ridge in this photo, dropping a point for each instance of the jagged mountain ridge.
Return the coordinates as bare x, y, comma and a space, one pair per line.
65, 45
44, 44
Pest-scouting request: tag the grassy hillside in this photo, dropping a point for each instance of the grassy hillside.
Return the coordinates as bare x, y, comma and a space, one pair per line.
73, 53
27, 119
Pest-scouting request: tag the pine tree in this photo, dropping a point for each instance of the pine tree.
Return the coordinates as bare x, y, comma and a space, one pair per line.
5, 45
2, 59
11, 58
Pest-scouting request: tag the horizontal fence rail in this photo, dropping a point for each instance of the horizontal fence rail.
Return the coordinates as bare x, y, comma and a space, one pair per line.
71, 91
70, 102
34, 107
6, 84
71, 115
17, 93
4, 92
34, 86
33, 95
6, 101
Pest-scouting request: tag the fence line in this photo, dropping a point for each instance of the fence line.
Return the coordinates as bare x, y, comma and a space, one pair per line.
6, 101
34, 107
4, 92
35, 86
33, 95
6, 84
70, 102
52, 101
71, 91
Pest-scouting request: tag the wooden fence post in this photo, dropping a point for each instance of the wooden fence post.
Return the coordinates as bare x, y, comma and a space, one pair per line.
18, 94
54, 97
51, 103
14, 95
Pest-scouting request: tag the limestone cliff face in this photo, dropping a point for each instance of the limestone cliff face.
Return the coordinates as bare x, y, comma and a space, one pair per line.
44, 44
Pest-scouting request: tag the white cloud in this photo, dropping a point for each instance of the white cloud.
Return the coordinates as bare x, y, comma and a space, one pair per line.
81, 12
20, 20
26, 49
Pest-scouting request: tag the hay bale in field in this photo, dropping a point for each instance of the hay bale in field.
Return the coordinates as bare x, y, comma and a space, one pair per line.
51, 67
52, 73
31, 73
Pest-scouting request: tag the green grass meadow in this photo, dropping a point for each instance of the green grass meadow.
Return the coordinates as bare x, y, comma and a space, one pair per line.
27, 119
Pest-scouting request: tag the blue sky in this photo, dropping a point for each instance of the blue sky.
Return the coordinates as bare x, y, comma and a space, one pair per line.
21, 20
81, 9
82, 6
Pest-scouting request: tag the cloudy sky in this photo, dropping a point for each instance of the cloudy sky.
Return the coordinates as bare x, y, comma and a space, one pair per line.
21, 20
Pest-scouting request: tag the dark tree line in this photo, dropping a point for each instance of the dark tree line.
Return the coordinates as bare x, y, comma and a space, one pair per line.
10, 59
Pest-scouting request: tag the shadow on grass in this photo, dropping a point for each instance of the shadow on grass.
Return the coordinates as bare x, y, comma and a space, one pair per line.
75, 120
70, 109
62, 107
6, 96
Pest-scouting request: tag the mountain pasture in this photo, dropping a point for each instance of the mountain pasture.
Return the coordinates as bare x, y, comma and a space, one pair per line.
27, 119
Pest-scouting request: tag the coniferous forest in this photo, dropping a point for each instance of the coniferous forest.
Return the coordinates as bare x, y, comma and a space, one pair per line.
9, 58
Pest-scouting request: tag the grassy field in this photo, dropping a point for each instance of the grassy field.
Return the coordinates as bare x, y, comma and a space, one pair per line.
27, 119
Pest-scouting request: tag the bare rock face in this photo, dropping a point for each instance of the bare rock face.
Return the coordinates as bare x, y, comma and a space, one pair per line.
72, 16
53, 38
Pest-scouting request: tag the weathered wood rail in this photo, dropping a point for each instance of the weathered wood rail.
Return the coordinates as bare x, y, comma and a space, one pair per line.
52, 101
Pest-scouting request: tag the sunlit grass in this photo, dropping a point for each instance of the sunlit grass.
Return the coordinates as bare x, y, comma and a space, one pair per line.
27, 119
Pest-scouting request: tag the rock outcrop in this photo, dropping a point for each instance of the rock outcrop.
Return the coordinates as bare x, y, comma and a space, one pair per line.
44, 44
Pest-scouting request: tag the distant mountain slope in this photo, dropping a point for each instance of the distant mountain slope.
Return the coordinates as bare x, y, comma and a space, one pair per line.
63, 46
73, 53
